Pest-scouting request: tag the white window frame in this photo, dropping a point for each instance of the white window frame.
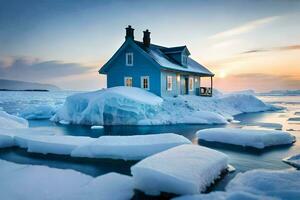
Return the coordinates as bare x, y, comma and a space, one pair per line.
191, 80
125, 81
169, 78
142, 82
127, 59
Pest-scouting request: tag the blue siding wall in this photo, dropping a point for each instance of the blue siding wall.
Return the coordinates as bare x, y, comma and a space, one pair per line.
175, 86
141, 67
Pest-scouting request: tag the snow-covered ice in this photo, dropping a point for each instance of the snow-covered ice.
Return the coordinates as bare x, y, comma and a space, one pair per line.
225, 196
134, 147
33, 182
185, 169
10, 121
257, 185
54, 144
135, 106
282, 184
293, 160
38, 112
243, 137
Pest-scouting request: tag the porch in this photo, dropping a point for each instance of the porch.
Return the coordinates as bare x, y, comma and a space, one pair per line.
192, 85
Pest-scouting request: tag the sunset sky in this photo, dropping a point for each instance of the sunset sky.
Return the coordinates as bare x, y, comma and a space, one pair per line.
248, 44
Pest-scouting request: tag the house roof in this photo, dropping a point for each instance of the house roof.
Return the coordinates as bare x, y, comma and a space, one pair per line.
159, 56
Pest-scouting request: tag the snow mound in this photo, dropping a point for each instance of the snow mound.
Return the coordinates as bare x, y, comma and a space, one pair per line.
243, 137
283, 184
8, 121
135, 106
38, 112
185, 169
54, 144
117, 105
134, 147
293, 160
28, 182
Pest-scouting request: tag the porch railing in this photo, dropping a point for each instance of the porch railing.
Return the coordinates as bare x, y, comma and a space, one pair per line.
204, 91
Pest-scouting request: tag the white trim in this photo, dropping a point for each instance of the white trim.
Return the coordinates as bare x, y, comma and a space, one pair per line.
127, 56
125, 80
169, 78
191, 79
142, 82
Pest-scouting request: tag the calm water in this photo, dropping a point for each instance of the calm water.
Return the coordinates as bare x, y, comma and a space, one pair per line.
242, 159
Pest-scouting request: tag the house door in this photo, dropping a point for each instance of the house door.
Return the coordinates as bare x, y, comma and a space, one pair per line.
186, 85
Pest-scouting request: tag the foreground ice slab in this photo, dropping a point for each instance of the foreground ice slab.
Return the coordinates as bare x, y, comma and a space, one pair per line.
135, 106
54, 144
134, 147
185, 169
243, 137
28, 182
257, 185
293, 160
8, 121
225, 196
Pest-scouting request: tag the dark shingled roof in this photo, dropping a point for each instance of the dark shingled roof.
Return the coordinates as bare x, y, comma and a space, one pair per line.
160, 55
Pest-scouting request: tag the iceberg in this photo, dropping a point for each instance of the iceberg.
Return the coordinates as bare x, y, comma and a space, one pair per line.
251, 138
134, 147
185, 169
293, 161
38, 112
54, 144
8, 121
29, 182
135, 106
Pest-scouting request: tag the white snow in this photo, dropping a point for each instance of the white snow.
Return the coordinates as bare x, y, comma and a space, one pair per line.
38, 112
54, 144
134, 147
243, 137
135, 106
28, 182
257, 185
293, 160
185, 169
8, 121
97, 127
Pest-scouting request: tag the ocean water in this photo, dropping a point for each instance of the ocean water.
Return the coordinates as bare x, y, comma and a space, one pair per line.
242, 159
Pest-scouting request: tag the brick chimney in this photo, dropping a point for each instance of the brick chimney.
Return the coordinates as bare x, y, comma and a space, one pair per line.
146, 38
129, 33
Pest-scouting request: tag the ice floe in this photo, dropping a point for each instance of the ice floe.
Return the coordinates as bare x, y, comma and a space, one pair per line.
257, 185
243, 137
185, 169
295, 119
33, 182
38, 112
293, 160
135, 106
54, 144
10, 121
96, 127
134, 147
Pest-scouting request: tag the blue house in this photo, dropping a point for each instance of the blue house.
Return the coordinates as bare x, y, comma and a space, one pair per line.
165, 71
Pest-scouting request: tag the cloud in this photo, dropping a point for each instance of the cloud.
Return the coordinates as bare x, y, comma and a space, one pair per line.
282, 48
244, 28
258, 82
35, 70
